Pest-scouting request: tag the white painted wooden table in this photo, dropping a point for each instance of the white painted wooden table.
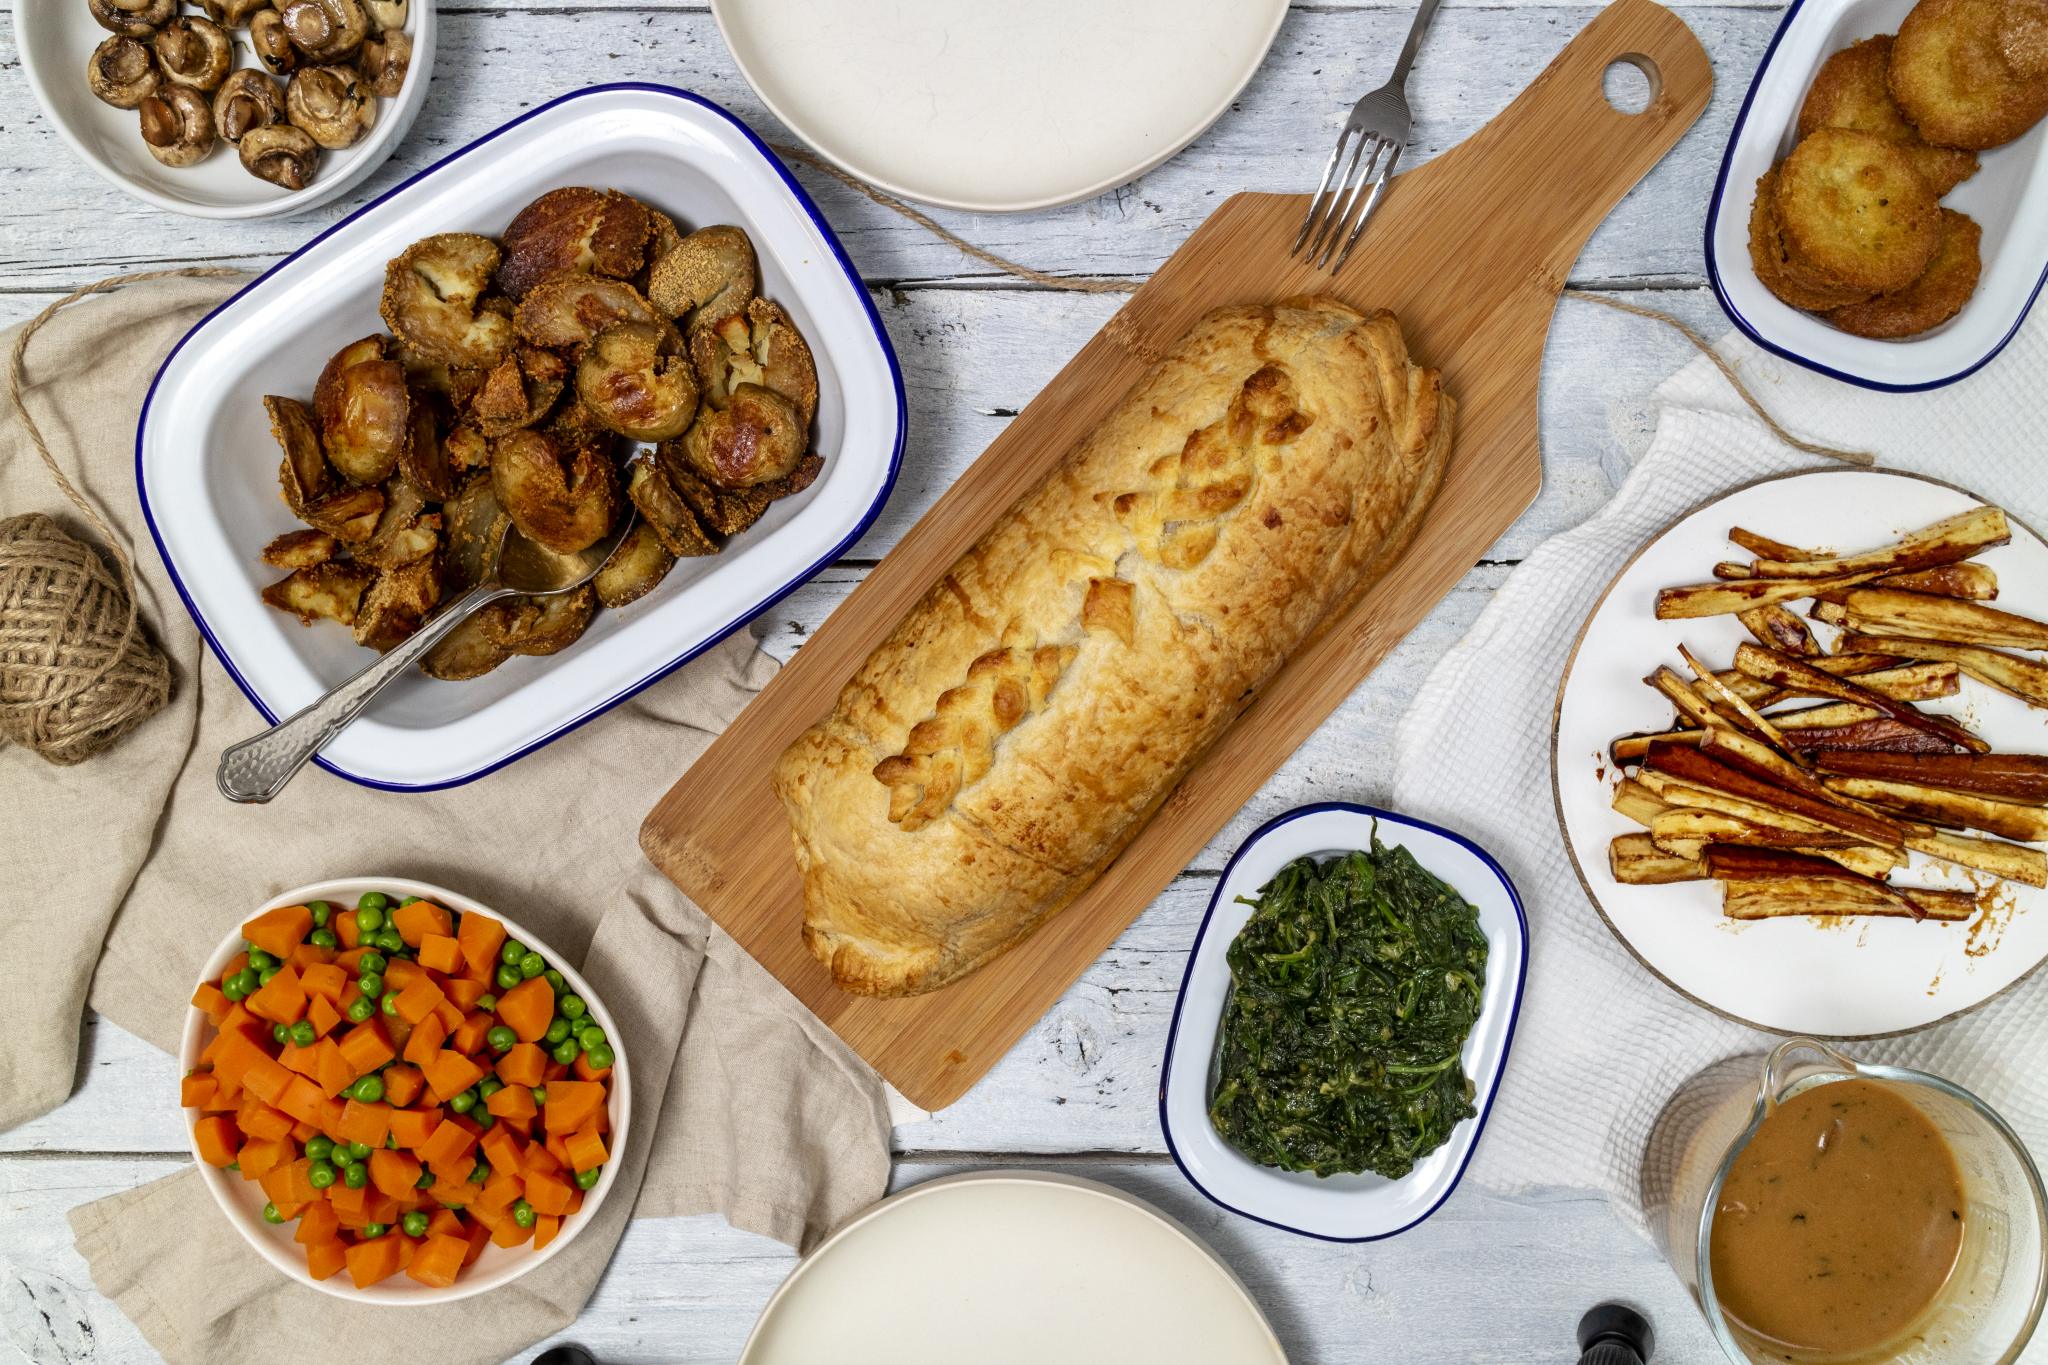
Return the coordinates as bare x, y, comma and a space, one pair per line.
1490, 1278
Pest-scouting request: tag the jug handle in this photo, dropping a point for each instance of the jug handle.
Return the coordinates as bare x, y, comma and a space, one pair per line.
1778, 1064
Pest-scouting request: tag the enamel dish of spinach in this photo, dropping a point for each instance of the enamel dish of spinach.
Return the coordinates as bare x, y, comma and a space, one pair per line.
1353, 987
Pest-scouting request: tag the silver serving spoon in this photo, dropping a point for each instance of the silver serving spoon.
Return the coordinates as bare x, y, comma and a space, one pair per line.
258, 768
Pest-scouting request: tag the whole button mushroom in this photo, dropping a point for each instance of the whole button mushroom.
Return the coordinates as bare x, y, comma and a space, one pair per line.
177, 125
329, 102
384, 61
281, 154
233, 13
386, 15
325, 30
246, 101
123, 72
195, 52
133, 18
273, 45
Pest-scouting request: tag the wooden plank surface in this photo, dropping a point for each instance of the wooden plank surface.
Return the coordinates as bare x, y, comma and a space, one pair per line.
1490, 1279
1470, 251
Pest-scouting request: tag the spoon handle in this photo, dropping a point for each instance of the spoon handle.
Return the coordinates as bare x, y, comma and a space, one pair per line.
258, 768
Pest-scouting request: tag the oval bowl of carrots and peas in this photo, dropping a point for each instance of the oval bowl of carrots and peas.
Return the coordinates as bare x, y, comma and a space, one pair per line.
398, 1095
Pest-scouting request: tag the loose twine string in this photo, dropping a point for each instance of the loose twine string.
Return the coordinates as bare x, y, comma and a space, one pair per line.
77, 670
1088, 285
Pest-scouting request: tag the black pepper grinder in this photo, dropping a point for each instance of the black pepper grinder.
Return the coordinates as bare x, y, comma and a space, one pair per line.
1614, 1334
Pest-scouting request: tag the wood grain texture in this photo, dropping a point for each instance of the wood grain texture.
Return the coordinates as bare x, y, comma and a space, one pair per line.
1470, 251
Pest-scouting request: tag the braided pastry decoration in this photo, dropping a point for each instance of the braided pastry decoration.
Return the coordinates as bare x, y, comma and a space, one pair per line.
956, 744
1175, 524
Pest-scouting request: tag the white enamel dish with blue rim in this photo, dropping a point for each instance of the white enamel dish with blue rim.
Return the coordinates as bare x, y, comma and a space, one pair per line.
207, 464
1343, 1208
2008, 197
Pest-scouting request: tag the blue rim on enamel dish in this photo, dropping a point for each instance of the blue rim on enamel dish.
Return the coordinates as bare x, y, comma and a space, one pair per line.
867, 519
1748, 328
1514, 1007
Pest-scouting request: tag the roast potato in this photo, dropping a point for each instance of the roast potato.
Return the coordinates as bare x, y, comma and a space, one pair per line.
406, 531
710, 275
398, 600
322, 592
1938, 295
566, 310
1779, 271
434, 301
728, 511
760, 346
300, 550
663, 511
545, 625
635, 568
519, 391
472, 526
756, 438
563, 499
597, 232
635, 379
364, 408
470, 650
1852, 206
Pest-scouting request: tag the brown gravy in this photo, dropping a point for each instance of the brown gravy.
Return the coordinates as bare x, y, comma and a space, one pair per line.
1838, 1224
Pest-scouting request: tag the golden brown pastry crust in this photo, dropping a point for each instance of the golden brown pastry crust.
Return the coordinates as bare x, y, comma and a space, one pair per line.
1950, 76
1022, 723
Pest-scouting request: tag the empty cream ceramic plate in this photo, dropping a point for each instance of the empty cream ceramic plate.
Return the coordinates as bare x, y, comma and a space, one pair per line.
1012, 1268
995, 106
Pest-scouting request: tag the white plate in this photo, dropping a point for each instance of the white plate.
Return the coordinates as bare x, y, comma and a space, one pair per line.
1831, 979
1011, 1268
242, 1200
56, 40
2008, 197
995, 106
208, 465
1342, 1208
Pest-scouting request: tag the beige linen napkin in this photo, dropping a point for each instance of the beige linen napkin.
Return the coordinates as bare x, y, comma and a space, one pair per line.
744, 1105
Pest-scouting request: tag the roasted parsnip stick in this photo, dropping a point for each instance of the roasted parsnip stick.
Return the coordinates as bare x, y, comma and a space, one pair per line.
2021, 778
2023, 678
1727, 599
1944, 542
1889, 611
1825, 896
1636, 861
2028, 824
1688, 764
1784, 671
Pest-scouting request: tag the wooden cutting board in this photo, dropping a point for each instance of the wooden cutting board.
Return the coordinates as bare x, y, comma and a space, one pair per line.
1470, 250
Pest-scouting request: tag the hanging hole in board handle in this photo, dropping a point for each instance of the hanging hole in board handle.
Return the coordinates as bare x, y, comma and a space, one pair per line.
1631, 83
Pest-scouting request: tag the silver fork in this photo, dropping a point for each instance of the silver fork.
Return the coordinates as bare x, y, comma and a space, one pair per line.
1377, 134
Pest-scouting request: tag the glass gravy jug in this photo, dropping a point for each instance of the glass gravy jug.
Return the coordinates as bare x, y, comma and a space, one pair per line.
1987, 1309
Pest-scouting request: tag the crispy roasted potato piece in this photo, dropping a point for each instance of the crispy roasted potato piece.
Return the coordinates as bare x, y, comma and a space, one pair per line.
597, 232
545, 625
473, 525
756, 438
470, 650
365, 414
1854, 209
1635, 860
663, 237
564, 499
634, 378
1777, 269
663, 511
304, 477
2023, 37
635, 568
425, 463
1938, 295
434, 301
1887, 611
405, 532
729, 511
299, 550
468, 448
566, 310
519, 391
396, 603
1949, 75
349, 514
761, 346
1849, 91
324, 592
710, 275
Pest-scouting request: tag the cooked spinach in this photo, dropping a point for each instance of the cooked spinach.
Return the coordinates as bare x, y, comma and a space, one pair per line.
1353, 987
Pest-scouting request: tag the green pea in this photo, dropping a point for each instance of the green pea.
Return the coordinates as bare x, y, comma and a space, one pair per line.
360, 1150
567, 1051
271, 1215
232, 988
391, 1142
540, 1094
370, 1089
501, 1038
483, 1118
323, 938
280, 1032
373, 900
320, 1174
572, 1007
375, 1230
371, 984
555, 979
261, 960
511, 952
414, 1223
532, 965
480, 1172
320, 1147
389, 1004
232, 1166
508, 977
463, 1103
360, 1009
355, 1175
600, 1056
265, 977
590, 1035
245, 981
408, 900
586, 1179
487, 1002
557, 1031
371, 962
488, 1086
426, 1179
522, 1213
304, 1034
391, 941
321, 911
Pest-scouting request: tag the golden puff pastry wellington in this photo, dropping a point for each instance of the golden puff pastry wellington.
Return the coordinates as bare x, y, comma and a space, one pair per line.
1025, 719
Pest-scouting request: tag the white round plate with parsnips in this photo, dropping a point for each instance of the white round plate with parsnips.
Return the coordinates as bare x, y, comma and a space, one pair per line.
1838, 978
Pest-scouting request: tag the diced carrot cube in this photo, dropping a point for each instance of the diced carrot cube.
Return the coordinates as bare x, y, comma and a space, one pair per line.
508, 1233
439, 1258
218, 1139
331, 1067
289, 1212
349, 1203
303, 1133
462, 993
414, 922
393, 1173
209, 1000
402, 1084
548, 1193
585, 1150
319, 1223
451, 1180
290, 1182
327, 980
499, 1191
235, 1051
368, 1124
571, 1105
513, 1102
413, 1127
310, 955
331, 1110
502, 1150
301, 1099
283, 1001
554, 1143
365, 1047
444, 1223
545, 1226
481, 938
426, 1039
196, 1089
479, 1238
449, 1013
584, 1071
449, 1074
445, 1145
279, 931
468, 1036
345, 929
399, 1031
418, 1000
538, 1158
323, 1259
321, 1015
259, 1120
440, 953
260, 1155
525, 1064
528, 1008
303, 1061
374, 1260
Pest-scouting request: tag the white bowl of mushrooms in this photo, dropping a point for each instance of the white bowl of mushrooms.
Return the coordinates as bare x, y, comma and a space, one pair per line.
229, 108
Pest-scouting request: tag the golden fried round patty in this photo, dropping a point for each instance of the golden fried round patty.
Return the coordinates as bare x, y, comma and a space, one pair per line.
1785, 277
1938, 295
1950, 76
2023, 37
1852, 207
1849, 91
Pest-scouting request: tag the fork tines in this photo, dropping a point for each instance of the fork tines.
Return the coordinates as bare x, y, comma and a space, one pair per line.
1342, 203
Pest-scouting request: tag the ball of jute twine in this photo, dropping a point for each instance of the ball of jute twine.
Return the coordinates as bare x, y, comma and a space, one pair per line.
77, 669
